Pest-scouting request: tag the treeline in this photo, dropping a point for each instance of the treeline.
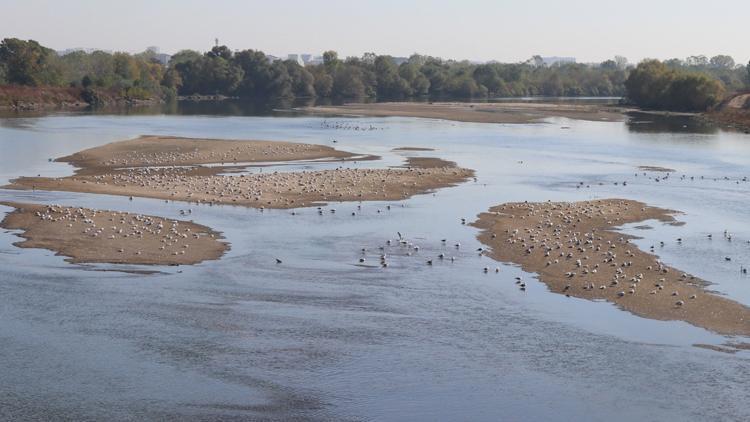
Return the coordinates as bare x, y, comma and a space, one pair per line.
98, 74
250, 73
685, 86
696, 83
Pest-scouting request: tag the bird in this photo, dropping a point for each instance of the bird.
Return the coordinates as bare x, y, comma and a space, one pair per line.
278, 261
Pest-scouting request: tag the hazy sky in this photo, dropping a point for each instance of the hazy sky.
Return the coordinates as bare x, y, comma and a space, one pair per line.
591, 30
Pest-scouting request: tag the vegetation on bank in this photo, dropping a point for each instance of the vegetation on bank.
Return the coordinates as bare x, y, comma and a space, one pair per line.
694, 84
679, 87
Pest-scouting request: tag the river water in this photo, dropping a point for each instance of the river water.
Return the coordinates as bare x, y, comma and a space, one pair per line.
320, 337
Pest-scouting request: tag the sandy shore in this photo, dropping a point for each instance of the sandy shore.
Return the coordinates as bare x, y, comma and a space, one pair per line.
519, 112
575, 251
174, 151
86, 235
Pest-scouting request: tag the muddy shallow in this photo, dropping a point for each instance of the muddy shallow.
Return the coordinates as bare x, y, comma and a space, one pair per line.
321, 337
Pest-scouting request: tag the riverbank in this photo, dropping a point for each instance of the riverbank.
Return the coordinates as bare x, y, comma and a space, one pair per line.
575, 250
30, 98
97, 236
509, 112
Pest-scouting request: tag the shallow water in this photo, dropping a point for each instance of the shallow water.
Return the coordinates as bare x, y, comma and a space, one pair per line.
321, 337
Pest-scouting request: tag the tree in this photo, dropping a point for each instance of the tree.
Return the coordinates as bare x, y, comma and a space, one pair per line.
697, 61
722, 62
86, 81
622, 62
28, 63
347, 82
747, 68
648, 82
220, 51
654, 85
330, 59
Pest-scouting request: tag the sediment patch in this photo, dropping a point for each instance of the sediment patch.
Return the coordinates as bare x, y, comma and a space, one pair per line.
98, 236
575, 250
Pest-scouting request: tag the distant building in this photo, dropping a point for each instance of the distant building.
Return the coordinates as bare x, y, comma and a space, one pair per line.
549, 61
315, 60
85, 50
295, 58
306, 57
163, 58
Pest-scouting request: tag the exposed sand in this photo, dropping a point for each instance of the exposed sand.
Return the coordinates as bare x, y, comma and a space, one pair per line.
519, 112
656, 169
412, 149
86, 235
575, 251
174, 151
261, 190
148, 167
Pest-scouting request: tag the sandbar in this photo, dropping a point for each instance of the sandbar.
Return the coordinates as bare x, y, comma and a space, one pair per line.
85, 235
575, 250
510, 112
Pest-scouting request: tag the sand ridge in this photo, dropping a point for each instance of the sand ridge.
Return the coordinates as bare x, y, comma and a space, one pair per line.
99, 236
166, 168
507, 112
148, 151
575, 250
260, 190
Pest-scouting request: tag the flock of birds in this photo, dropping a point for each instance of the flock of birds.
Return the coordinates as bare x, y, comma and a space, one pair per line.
596, 263
665, 175
275, 190
194, 152
119, 227
344, 125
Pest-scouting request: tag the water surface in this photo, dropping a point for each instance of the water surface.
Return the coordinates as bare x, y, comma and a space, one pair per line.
320, 337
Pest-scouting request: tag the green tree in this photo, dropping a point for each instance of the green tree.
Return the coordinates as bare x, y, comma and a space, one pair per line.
28, 63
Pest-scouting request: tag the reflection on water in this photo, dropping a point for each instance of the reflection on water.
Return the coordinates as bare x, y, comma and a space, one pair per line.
666, 123
321, 338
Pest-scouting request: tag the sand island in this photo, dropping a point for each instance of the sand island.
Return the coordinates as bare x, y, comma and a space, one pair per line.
515, 112
167, 168
575, 250
87, 235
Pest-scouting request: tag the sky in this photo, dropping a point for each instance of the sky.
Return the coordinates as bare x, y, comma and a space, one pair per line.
482, 30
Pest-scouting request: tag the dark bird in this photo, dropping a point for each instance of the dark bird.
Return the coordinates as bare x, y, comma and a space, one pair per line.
278, 261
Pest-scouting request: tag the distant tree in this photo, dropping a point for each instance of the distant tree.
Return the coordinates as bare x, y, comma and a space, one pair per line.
747, 75
28, 63
86, 81
722, 62
487, 76
652, 84
622, 62
697, 61
330, 59
303, 82
323, 85
347, 82
220, 51
609, 64
536, 61
648, 82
